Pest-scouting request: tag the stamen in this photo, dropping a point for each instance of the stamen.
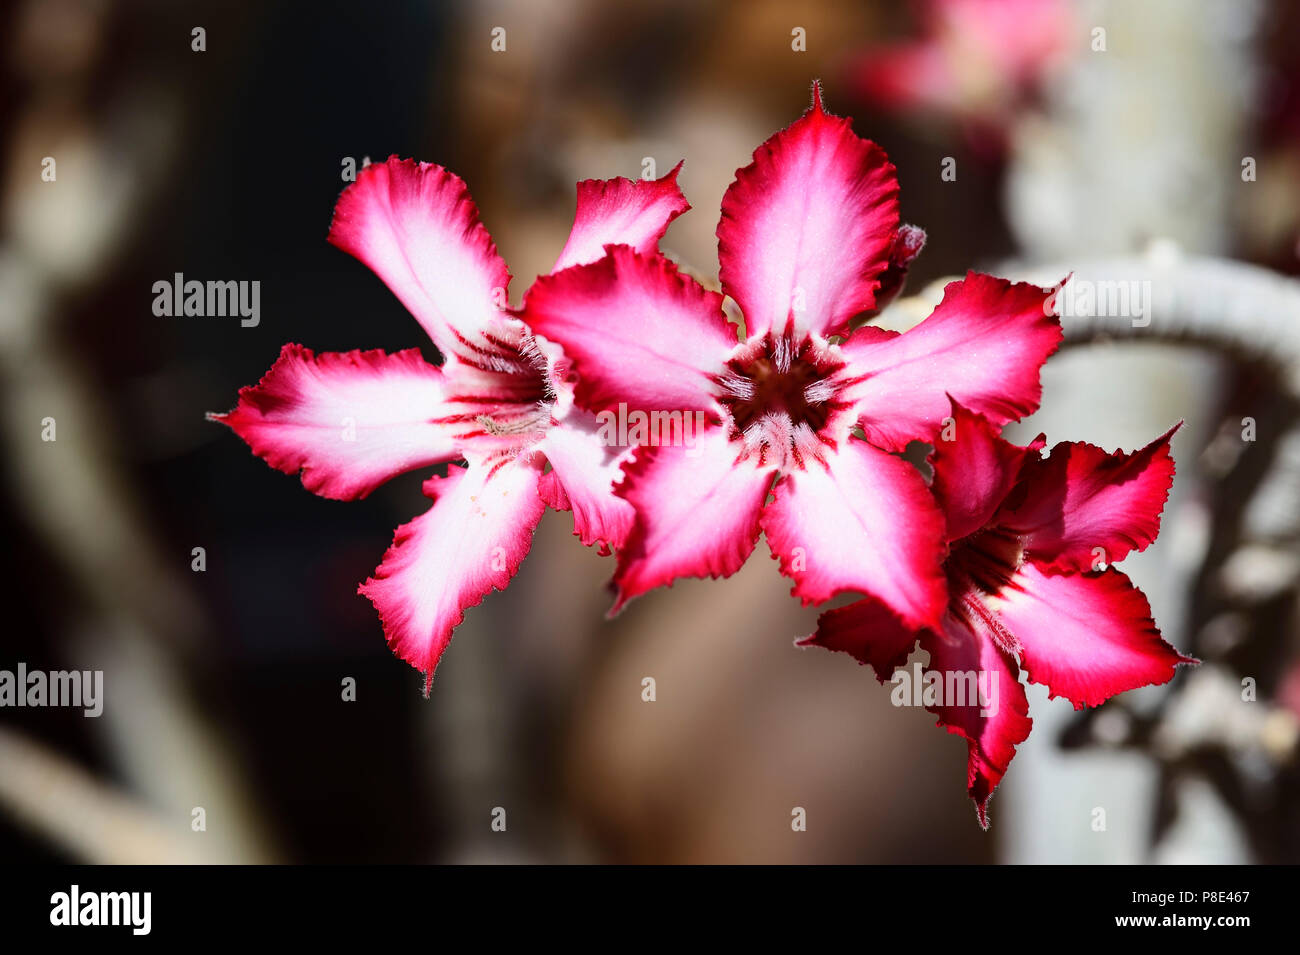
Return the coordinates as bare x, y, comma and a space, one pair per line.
737, 387
982, 617
819, 392
781, 354
806, 444
534, 421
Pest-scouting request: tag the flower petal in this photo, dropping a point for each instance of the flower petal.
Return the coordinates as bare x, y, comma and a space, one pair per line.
1080, 498
446, 560
415, 225
861, 520
636, 331
1085, 636
868, 631
584, 471
697, 513
808, 226
961, 653
633, 212
349, 421
974, 470
983, 345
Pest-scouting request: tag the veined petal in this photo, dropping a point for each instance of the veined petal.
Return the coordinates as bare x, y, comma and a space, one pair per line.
632, 212
349, 421
963, 655
808, 226
446, 560
983, 345
974, 470
1081, 498
636, 330
868, 631
1085, 636
415, 225
584, 470
863, 520
697, 513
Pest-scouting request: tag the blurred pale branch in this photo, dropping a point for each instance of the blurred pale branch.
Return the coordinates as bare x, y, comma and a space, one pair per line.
90, 820
114, 155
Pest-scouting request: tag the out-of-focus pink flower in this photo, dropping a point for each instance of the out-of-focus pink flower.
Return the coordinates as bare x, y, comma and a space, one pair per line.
1027, 540
808, 235
350, 421
1288, 693
976, 60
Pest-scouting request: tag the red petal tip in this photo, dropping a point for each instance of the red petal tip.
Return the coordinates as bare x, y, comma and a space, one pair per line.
817, 105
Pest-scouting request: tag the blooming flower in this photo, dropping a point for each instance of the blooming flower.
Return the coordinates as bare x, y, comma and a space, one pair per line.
809, 240
1030, 542
350, 421
976, 59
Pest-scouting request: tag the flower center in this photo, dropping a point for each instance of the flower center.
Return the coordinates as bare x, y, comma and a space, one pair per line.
514, 395
986, 559
979, 567
781, 395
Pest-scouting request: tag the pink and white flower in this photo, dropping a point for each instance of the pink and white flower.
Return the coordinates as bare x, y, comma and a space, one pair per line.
347, 422
808, 242
975, 60
1024, 534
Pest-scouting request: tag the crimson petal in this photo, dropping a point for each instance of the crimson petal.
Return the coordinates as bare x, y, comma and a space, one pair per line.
974, 470
964, 651
415, 226
1080, 498
868, 631
1085, 636
983, 345
636, 330
349, 421
445, 561
584, 472
633, 212
807, 228
697, 513
860, 520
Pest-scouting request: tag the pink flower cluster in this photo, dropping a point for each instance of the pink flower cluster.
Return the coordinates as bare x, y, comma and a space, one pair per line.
992, 566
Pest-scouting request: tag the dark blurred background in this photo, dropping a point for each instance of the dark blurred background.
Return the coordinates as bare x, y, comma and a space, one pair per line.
223, 687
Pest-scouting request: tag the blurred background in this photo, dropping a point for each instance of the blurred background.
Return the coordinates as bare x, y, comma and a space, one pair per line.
1119, 153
